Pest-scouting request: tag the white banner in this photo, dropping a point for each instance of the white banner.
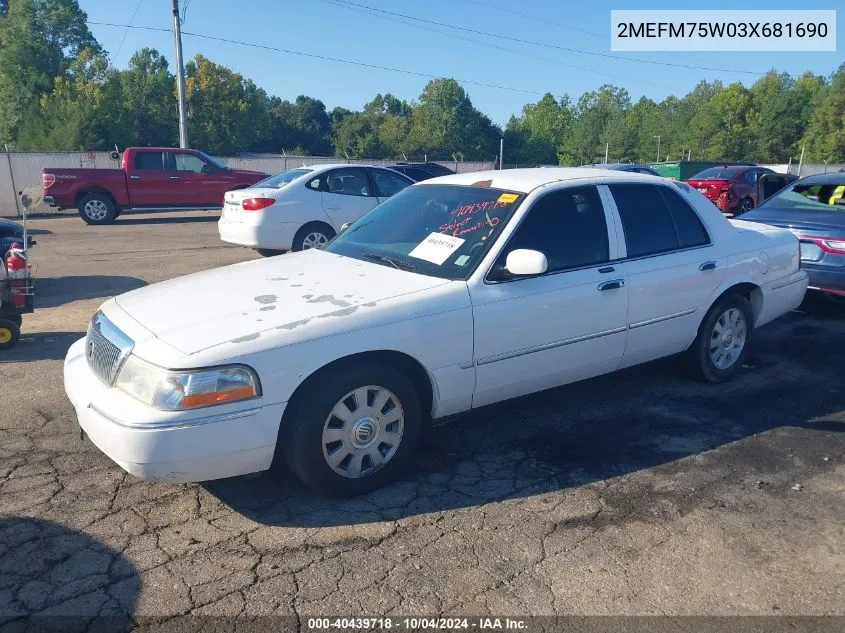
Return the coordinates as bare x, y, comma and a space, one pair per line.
716, 30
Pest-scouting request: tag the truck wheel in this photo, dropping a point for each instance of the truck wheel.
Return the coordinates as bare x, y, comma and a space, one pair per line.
353, 432
97, 208
10, 334
722, 342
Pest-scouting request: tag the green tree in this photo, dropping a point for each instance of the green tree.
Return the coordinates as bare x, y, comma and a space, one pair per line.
825, 135
39, 39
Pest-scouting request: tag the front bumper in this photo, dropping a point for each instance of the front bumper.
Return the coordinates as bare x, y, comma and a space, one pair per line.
185, 446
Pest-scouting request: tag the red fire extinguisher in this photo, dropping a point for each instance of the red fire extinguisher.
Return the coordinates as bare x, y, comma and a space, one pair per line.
17, 274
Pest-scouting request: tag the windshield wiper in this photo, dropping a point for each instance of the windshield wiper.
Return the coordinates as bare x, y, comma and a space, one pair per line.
398, 264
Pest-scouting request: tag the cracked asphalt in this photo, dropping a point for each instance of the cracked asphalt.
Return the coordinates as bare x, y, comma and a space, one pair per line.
641, 492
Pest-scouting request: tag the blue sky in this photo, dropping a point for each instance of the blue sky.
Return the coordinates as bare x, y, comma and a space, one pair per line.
324, 28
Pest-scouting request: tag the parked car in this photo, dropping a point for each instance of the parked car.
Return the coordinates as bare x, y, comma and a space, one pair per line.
11, 232
421, 171
457, 292
732, 188
150, 179
304, 208
813, 208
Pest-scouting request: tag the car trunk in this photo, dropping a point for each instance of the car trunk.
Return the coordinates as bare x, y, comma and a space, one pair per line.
710, 187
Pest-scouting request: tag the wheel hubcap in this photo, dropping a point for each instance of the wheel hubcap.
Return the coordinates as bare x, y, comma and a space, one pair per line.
96, 209
728, 338
5, 335
314, 240
363, 431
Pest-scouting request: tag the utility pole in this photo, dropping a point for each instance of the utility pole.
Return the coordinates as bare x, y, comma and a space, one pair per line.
606, 150
501, 153
180, 76
657, 136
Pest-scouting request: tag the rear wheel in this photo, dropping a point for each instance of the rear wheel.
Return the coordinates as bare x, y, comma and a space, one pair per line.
10, 334
722, 342
97, 208
352, 431
746, 204
312, 235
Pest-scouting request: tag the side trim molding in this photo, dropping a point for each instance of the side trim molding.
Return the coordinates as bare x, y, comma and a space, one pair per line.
546, 346
660, 319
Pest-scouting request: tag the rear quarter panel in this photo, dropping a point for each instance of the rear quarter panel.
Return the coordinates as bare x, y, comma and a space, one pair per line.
72, 183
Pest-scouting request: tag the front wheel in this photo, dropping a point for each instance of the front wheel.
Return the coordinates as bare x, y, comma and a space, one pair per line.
353, 432
10, 334
722, 342
745, 205
97, 208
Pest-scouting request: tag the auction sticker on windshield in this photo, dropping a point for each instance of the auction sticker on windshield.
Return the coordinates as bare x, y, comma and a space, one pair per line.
436, 248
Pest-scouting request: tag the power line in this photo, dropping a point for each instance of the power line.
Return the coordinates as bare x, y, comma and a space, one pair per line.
540, 19
126, 32
546, 44
316, 56
501, 48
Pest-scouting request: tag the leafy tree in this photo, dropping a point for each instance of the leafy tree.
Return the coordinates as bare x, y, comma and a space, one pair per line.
39, 39
825, 135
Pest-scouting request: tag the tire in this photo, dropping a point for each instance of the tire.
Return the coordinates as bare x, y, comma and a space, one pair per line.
311, 234
97, 208
311, 434
745, 205
721, 345
10, 334
17, 319
269, 252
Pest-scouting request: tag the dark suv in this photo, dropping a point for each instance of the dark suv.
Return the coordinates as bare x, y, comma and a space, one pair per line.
421, 171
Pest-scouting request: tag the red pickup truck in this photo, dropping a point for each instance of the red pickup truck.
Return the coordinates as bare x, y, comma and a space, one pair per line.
150, 179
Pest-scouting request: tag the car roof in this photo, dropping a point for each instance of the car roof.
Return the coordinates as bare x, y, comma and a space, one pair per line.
527, 179
830, 178
321, 167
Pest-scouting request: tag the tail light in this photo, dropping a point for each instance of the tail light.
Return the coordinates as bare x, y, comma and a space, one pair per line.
256, 204
48, 180
828, 246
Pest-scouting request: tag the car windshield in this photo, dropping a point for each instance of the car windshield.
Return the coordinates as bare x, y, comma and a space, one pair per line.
280, 180
718, 173
809, 197
209, 159
437, 230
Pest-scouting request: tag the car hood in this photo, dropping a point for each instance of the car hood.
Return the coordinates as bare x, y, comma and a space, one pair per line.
235, 303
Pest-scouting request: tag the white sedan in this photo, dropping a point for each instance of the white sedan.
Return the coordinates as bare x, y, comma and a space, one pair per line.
304, 208
456, 293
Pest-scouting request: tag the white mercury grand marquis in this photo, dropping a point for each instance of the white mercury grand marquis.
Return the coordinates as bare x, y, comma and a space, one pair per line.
455, 293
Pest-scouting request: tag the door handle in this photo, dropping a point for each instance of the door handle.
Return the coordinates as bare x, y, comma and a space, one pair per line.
707, 266
135, 177
174, 178
613, 284
332, 208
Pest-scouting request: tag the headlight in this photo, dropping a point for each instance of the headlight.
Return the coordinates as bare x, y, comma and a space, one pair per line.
190, 389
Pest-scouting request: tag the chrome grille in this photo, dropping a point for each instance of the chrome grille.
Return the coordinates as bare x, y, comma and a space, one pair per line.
106, 347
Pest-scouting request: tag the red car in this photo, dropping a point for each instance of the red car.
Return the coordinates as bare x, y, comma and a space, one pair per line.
150, 178
732, 188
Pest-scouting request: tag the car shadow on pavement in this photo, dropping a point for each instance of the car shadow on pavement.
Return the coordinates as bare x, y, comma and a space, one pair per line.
168, 219
51, 292
53, 578
647, 417
35, 346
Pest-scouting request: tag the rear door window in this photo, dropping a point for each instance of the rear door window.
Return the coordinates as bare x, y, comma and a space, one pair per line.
149, 161
646, 220
348, 181
688, 225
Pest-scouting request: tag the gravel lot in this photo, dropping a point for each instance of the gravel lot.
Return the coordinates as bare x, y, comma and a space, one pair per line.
637, 493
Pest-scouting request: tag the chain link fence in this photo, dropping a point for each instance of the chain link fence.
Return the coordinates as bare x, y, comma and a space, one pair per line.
21, 171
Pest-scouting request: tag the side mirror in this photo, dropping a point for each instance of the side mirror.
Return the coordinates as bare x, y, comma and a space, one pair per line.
344, 227
523, 262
